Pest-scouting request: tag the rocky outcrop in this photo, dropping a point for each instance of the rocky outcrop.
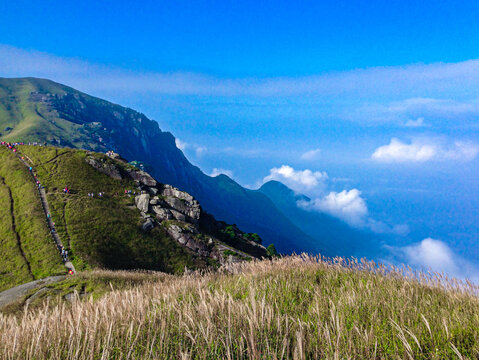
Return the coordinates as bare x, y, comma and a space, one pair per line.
148, 225
142, 177
180, 215
185, 236
143, 202
104, 167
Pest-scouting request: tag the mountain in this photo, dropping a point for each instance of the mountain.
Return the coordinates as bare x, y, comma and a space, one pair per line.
112, 216
332, 236
38, 110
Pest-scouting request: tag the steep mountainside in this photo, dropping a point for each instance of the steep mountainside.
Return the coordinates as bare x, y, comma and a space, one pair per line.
36, 110
332, 236
112, 215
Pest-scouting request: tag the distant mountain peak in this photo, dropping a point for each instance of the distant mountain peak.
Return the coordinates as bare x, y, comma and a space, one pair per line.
275, 188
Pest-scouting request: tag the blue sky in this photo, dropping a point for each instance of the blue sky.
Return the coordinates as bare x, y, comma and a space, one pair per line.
370, 108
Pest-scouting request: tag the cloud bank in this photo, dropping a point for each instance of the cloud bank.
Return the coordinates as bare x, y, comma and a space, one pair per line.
346, 205
424, 150
298, 180
311, 155
436, 255
416, 80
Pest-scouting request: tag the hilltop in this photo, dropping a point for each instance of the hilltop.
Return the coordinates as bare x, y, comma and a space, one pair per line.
113, 216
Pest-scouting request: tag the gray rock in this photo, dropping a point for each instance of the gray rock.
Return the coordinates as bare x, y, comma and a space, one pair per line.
105, 168
115, 156
145, 216
185, 238
162, 214
153, 191
191, 208
142, 202
176, 233
178, 216
142, 177
148, 224
154, 201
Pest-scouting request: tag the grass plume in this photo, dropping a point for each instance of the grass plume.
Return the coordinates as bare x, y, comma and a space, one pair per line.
298, 307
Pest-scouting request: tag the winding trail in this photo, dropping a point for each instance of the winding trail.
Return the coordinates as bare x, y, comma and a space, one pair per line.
46, 210
17, 293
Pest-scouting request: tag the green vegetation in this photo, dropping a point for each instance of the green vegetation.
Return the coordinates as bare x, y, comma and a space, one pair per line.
28, 251
84, 285
229, 232
101, 231
293, 307
254, 237
272, 250
25, 109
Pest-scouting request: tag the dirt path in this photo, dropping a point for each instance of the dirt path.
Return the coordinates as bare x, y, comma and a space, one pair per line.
14, 228
56, 237
46, 210
15, 294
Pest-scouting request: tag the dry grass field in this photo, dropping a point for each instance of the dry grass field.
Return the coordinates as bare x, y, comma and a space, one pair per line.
297, 307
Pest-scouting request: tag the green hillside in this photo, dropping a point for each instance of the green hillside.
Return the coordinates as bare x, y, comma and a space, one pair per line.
28, 251
102, 231
106, 231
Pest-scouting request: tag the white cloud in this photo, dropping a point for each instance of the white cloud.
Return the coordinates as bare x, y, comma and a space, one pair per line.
397, 151
435, 255
419, 122
298, 180
311, 155
465, 151
415, 80
217, 172
180, 144
200, 150
380, 227
183, 146
346, 205
442, 110
422, 150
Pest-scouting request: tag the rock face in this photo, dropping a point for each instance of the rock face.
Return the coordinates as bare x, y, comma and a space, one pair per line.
104, 167
143, 202
143, 177
180, 215
185, 237
148, 225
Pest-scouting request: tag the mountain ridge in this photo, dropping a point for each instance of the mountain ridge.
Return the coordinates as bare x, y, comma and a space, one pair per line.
41, 110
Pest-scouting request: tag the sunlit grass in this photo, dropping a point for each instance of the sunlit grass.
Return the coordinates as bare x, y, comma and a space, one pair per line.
17, 185
295, 307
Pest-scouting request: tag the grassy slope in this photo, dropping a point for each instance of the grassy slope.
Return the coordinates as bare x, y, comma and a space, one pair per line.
88, 284
34, 120
106, 231
287, 308
36, 242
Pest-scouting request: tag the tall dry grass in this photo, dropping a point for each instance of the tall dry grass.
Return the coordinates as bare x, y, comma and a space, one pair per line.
297, 307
